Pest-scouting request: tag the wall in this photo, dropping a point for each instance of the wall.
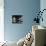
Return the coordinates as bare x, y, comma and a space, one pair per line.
43, 6
27, 8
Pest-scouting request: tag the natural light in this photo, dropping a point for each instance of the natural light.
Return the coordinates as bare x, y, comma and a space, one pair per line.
1, 25
1, 20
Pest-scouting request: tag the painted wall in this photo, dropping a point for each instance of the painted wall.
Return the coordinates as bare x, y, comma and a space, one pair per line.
27, 8
43, 6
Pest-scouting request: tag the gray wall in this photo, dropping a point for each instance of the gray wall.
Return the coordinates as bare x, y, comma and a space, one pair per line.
27, 8
43, 6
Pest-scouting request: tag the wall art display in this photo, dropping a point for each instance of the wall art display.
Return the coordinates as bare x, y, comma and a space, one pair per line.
17, 19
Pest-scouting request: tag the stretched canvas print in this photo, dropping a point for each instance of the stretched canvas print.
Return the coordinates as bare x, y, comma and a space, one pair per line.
21, 23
